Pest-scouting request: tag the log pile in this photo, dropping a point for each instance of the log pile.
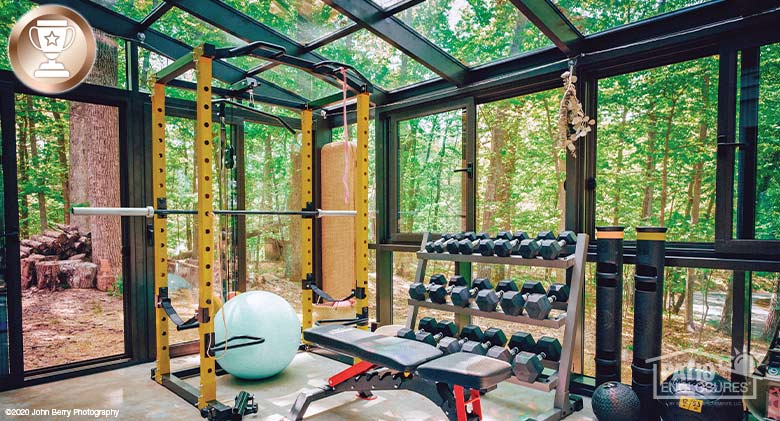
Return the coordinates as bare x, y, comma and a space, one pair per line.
58, 258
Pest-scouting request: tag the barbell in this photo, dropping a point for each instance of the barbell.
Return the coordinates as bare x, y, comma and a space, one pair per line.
149, 212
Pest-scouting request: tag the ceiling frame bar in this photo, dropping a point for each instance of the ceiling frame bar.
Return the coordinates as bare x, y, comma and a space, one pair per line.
549, 19
232, 21
396, 33
122, 26
154, 15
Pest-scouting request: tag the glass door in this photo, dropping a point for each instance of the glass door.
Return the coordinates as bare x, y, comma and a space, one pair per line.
434, 175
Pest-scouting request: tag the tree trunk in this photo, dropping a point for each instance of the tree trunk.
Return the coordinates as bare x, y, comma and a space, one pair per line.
495, 190
727, 312
678, 304
24, 203
94, 158
62, 157
560, 169
665, 162
34, 156
293, 252
618, 170
774, 312
649, 173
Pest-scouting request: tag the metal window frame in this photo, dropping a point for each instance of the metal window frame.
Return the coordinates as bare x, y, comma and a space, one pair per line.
469, 111
135, 347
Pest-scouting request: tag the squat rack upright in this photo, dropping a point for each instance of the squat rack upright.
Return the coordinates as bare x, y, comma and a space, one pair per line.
204, 398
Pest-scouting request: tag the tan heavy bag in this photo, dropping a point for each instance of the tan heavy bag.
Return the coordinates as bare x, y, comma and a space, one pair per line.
338, 233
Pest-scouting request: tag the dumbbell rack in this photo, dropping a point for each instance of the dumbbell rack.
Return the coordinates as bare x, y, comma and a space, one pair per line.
570, 319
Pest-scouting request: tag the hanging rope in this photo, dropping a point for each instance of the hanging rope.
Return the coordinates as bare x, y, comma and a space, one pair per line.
345, 179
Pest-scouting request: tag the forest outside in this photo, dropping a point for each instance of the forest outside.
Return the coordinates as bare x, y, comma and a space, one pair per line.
655, 166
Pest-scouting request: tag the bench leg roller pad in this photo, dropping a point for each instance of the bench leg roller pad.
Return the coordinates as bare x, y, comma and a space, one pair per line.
368, 378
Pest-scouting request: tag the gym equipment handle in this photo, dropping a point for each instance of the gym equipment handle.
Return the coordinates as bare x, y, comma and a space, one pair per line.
150, 212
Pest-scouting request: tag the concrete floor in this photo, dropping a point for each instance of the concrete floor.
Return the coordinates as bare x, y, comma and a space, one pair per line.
130, 391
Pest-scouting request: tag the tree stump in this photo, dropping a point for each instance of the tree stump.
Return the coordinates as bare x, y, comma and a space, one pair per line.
47, 273
78, 274
80, 256
28, 270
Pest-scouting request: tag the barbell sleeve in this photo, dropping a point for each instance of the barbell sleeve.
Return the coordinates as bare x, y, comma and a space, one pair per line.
147, 211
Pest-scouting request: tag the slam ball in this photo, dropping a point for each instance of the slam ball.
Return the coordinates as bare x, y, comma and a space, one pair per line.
613, 401
260, 314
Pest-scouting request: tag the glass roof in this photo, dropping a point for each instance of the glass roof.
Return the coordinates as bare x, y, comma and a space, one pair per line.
193, 31
475, 32
472, 32
591, 16
301, 20
379, 61
136, 9
299, 82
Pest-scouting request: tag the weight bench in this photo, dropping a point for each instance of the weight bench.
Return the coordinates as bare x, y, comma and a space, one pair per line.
451, 381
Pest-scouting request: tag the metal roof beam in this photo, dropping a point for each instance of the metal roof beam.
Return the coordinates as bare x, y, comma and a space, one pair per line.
549, 19
392, 30
121, 26
154, 15
248, 29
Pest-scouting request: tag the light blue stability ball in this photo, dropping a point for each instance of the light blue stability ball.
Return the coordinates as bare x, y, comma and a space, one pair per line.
263, 314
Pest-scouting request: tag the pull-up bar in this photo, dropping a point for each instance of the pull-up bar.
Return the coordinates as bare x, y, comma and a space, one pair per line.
149, 212
225, 101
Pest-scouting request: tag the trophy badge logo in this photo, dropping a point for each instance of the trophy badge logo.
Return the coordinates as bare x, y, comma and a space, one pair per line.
52, 49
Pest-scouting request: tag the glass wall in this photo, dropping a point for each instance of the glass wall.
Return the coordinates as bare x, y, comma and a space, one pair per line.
430, 192
768, 174
656, 150
72, 279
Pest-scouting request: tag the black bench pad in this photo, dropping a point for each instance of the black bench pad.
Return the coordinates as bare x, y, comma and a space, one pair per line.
467, 370
386, 351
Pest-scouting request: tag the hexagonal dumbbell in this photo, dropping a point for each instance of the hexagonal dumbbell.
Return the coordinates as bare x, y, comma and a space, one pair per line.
469, 246
529, 248
519, 342
441, 330
551, 249
488, 299
461, 295
450, 345
451, 245
505, 247
538, 306
492, 337
527, 366
426, 324
438, 293
419, 291
436, 246
513, 302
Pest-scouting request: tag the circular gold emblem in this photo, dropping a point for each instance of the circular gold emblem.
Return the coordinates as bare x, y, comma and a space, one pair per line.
52, 49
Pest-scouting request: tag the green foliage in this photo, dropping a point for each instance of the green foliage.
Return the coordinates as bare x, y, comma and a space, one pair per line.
118, 289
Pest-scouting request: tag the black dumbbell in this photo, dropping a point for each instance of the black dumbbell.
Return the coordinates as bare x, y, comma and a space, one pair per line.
469, 246
461, 296
551, 249
519, 342
438, 293
419, 291
426, 324
513, 302
435, 246
442, 329
527, 366
529, 248
451, 245
492, 337
450, 345
505, 247
538, 306
487, 300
